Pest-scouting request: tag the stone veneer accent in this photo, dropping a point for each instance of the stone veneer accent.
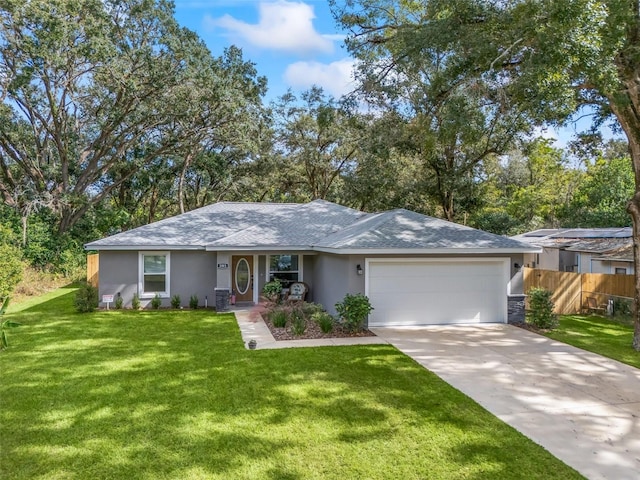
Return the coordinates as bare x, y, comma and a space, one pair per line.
515, 308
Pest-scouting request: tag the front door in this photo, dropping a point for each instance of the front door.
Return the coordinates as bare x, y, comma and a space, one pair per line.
242, 277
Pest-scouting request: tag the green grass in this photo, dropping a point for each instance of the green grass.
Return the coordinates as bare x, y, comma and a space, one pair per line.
599, 335
164, 394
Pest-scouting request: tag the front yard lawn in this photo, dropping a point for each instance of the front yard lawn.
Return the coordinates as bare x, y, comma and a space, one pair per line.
598, 335
174, 394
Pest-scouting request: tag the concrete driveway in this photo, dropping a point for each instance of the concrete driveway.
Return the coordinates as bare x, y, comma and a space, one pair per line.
583, 408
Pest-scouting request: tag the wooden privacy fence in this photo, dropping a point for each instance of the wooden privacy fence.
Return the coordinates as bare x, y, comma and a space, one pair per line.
92, 269
571, 290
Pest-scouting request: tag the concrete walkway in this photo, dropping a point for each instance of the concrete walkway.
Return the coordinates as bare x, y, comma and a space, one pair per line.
581, 407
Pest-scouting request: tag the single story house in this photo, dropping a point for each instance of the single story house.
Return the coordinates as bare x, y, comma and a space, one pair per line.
415, 269
581, 250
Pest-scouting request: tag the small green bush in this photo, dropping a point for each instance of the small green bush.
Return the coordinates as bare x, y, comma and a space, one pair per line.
193, 302
156, 302
4, 325
324, 320
298, 322
622, 307
135, 302
541, 309
272, 290
175, 301
279, 318
354, 310
119, 302
310, 309
86, 298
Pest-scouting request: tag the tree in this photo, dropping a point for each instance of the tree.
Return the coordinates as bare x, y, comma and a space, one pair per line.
600, 199
317, 139
526, 189
552, 56
93, 91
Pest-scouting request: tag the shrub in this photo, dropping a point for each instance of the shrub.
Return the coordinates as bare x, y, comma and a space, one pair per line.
324, 320
156, 302
622, 307
310, 309
298, 322
175, 301
119, 302
541, 309
272, 290
86, 298
279, 318
193, 302
353, 311
135, 302
4, 343
10, 269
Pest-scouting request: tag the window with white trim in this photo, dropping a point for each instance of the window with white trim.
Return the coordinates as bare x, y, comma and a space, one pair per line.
285, 268
154, 274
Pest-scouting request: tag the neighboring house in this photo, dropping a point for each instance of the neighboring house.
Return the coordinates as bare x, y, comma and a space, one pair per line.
415, 269
581, 250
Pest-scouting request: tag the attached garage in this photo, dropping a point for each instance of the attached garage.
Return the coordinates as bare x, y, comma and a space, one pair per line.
418, 291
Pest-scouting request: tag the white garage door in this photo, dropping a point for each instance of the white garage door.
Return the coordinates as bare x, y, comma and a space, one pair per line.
432, 292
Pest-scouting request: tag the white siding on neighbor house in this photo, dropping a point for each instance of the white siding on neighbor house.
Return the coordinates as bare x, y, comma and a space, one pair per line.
417, 291
549, 259
609, 266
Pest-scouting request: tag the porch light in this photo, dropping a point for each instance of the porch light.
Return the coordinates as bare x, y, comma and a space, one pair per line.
359, 269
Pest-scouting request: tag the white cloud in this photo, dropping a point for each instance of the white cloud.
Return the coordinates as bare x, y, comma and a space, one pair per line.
283, 25
335, 78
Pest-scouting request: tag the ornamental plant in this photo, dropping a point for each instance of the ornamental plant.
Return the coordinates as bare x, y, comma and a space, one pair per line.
272, 290
175, 301
86, 300
354, 310
193, 302
135, 302
156, 302
541, 309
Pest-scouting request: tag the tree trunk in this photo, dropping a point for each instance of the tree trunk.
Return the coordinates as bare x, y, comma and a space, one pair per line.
629, 118
634, 210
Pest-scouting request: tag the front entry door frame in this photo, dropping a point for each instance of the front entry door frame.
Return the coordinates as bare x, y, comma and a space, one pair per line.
250, 293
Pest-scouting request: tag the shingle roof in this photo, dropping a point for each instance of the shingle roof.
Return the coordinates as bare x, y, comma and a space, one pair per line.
404, 229
317, 225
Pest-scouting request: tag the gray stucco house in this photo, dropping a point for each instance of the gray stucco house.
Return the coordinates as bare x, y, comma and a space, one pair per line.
415, 269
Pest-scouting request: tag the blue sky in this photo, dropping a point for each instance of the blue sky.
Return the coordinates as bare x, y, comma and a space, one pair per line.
295, 44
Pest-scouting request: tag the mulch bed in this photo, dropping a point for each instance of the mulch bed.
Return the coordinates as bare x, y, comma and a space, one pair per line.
313, 331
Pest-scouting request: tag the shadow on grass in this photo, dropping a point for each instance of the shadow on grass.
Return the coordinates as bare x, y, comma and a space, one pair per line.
175, 395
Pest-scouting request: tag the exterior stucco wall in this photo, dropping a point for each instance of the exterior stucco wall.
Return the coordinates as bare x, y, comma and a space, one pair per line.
118, 273
191, 273
329, 277
307, 275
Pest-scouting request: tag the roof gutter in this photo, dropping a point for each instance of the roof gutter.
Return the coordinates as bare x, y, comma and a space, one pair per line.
425, 251
141, 248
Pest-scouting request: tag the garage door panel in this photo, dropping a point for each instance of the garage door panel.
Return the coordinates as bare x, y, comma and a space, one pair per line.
422, 292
